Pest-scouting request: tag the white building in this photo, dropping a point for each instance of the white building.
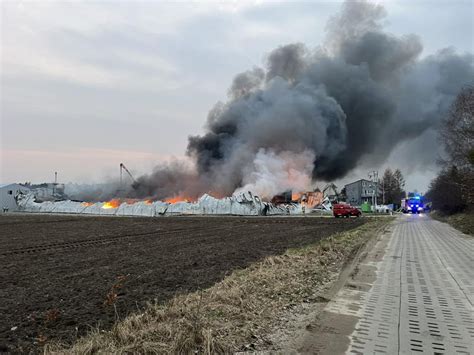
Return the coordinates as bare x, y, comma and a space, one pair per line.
7, 196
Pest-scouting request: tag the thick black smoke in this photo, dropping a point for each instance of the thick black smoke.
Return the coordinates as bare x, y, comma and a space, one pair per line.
361, 94
356, 97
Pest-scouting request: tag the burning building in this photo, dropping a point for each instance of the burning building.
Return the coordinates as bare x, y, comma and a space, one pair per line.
245, 204
312, 115
312, 199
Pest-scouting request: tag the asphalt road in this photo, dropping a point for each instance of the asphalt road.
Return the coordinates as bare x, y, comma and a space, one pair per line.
412, 294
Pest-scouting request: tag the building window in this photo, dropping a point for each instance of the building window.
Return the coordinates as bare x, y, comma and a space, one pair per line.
10, 192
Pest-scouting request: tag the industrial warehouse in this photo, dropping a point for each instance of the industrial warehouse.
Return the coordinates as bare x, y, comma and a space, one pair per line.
51, 198
31, 199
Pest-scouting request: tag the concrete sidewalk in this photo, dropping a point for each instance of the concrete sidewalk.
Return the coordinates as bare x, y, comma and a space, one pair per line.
413, 294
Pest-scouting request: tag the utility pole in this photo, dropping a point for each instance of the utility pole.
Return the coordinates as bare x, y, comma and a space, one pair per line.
374, 177
383, 192
376, 192
371, 179
55, 182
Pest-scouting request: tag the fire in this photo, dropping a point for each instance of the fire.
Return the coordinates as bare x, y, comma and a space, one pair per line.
116, 202
295, 196
177, 199
111, 204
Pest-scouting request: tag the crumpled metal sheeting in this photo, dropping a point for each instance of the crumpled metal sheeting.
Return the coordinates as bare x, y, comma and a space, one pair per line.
245, 204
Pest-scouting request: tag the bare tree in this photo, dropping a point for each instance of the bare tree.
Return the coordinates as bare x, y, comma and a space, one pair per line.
399, 187
446, 193
393, 185
387, 186
457, 131
456, 180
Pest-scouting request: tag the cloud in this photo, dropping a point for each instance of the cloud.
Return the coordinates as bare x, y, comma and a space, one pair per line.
83, 164
160, 66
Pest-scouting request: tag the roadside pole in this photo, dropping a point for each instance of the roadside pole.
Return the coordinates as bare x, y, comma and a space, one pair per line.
376, 191
374, 177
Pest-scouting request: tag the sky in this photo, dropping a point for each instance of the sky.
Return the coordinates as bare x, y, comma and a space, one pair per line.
88, 85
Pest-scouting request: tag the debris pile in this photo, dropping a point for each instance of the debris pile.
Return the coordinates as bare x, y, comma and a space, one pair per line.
243, 204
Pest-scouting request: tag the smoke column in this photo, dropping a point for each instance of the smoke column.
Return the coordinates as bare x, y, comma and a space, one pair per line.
360, 94
315, 114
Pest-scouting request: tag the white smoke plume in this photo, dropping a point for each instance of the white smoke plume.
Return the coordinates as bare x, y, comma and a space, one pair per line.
273, 173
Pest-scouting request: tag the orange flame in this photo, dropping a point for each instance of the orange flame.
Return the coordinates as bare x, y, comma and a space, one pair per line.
111, 204
176, 199
295, 196
87, 204
148, 202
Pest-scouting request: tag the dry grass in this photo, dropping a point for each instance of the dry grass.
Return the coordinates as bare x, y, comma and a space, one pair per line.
233, 312
461, 221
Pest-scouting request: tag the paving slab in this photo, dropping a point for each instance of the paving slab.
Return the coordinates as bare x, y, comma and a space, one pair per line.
411, 294
421, 301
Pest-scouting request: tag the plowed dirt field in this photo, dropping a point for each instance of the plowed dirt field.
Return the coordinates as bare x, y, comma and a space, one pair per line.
62, 275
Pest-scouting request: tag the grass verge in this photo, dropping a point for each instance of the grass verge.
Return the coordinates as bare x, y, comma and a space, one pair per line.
233, 312
461, 221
